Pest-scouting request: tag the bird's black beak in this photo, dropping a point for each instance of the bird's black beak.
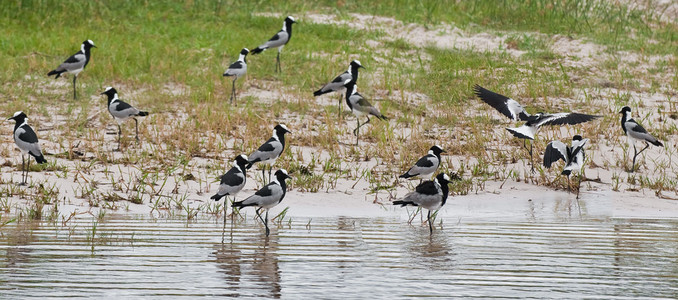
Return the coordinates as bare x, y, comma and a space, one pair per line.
94, 46
102, 93
12, 118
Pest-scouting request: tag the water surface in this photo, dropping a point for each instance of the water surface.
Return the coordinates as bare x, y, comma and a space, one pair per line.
347, 258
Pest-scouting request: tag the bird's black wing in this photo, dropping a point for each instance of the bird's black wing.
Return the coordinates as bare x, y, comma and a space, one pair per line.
566, 119
501, 103
275, 37
424, 162
74, 58
28, 135
555, 151
231, 177
236, 65
427, 188
266, 191
268, 146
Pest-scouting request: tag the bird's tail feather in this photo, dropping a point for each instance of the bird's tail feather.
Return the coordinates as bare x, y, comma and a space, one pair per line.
406, 175
319, 92
54, 72
39, 158
240, 204
404, 203
143, 113
258, 50
657, 143
217, 197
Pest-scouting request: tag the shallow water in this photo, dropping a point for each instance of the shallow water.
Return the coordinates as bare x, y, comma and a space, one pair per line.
141, 257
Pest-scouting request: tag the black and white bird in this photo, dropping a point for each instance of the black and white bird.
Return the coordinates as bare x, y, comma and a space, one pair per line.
267, 197
431, 195
234, 180
75, 64
237, 69
121, 111
635, 132
279, 40
339, 82
269, 152
513, 110
426, 165
27, 141
360, 107
572, 155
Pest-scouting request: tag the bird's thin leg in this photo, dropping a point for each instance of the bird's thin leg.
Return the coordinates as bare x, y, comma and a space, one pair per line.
356, 131
136, 128
270, 168
635, 154
531, 160
430, 227
341, 108
74, 94
263, 174
578, 186
568, 184
28, 168
233, 90
268, 231
119, 137
278, 68
23, 169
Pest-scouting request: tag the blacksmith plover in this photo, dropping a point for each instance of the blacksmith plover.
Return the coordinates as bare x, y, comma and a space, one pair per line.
431, 195
426, 165
269, 152
267, 197
360, 107
75, 64
513, 110
572, 155
339, 82
122, 111
27, 141
234, 180
279, 40
237, 69
635, 132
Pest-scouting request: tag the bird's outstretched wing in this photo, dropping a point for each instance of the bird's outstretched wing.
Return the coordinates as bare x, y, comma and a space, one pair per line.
505, 105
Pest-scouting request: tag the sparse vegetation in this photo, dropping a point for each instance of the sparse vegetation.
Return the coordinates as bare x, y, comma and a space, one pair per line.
167, 57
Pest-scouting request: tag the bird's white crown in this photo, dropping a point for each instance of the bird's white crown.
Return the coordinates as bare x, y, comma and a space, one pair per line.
108, 89
292, 18
357, 62
90, 42
284, 171
284, 127
17, 113
446, 177
243, 156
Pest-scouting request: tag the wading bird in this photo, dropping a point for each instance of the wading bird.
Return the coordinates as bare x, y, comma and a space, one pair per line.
27, 141
360, 107
339, 82
426, 165
279, 40
431, 195
513, 110
75, 64
237, 69
121, 111
268, 152
635, 132
572, 155
234, 180
267, 197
